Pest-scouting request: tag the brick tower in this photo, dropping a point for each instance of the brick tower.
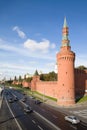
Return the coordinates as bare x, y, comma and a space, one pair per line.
65, 60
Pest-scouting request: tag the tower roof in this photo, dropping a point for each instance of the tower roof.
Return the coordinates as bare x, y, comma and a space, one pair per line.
65, 40
65, 23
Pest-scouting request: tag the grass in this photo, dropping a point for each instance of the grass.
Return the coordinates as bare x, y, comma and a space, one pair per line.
41, 96
83, 99
34, 93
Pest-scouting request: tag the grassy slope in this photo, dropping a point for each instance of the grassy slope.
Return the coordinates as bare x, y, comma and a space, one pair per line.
40, 96
83, 99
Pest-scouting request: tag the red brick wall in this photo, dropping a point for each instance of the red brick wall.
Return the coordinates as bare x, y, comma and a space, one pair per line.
80, 82
48, 88
26, 84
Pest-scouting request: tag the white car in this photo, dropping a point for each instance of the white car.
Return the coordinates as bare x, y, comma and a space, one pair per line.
72, 119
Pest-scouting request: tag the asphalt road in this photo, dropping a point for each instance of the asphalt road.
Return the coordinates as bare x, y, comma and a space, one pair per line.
43, 117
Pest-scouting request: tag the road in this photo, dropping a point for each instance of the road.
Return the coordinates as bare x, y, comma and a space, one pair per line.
43, 116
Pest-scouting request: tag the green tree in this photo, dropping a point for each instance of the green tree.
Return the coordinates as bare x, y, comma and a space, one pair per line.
36, 73
29, 79
20, 79
15, 78
51, 76
81, 67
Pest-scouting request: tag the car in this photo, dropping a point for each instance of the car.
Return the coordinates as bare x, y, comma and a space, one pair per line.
28, 109
72, 119
10, 100
32, 97
15, 99
37, 101
23, 99
10, 87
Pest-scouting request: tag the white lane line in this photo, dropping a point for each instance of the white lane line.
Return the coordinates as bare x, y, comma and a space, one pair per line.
23, 103
56, 127
84, 124
33, 121
13, 115
40, 127
73, 127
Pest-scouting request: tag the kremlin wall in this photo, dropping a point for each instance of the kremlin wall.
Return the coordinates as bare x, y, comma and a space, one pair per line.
71, 83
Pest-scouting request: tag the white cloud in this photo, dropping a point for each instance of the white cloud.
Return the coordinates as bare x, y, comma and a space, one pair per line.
42, 46
21, 34
11, 69
14, 66
20, 50
51, 64
20, 60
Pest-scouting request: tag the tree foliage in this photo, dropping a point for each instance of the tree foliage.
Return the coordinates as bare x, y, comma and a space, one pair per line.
51, 76
36, 73
15, 78
28, 79
20, 79
81, 67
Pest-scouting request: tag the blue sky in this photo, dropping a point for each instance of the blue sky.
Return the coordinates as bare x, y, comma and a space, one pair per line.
31, 33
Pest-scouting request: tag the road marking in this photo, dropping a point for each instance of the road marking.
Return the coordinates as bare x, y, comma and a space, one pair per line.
84, 124
73, 127
81, 113
33, 121
57, 128
23, 103
13, 115
40, 127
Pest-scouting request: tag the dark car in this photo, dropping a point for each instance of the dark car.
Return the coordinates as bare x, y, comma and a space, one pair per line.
28, 109
15, 99
23, 99
10, 100
37, 101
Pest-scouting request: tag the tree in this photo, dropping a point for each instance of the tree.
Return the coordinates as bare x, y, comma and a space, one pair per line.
25, 77
36, 73
51, 76
81, 67
29, 79
20, 79
15, 78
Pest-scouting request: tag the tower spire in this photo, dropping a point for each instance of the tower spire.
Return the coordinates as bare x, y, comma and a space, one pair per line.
65, 22
65, 40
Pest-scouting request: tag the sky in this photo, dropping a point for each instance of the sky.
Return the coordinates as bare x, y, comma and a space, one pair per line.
31, 34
